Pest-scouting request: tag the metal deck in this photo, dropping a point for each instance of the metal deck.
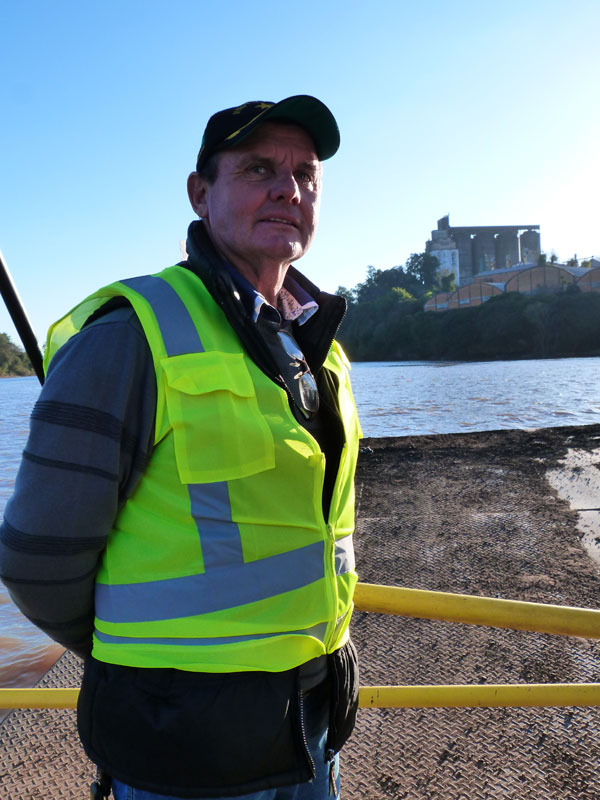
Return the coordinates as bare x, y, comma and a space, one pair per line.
471, 514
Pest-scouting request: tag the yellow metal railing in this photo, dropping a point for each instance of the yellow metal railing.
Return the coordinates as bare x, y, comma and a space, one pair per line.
508, 695
488, 611
38, 698
486, 696
491, 612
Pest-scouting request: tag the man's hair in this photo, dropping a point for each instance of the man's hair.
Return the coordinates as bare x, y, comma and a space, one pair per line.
210, 169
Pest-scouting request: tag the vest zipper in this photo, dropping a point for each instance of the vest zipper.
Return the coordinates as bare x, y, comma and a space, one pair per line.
332, 584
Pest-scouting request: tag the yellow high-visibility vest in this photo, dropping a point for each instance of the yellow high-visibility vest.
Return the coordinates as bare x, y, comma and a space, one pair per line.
221, 560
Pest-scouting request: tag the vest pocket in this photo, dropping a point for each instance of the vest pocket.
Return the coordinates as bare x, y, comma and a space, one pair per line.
218, 430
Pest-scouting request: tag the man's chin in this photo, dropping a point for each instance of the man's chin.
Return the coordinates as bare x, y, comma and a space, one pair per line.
284, 250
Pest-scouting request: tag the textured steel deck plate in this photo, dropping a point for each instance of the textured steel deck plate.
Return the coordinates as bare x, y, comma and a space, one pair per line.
471, 514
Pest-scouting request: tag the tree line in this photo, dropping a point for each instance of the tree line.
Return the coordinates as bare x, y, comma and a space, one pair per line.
13, 360
385, 320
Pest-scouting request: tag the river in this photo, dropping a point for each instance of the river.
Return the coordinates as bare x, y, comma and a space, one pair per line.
393, 399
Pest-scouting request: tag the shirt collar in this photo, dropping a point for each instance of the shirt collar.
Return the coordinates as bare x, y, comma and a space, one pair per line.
293, 302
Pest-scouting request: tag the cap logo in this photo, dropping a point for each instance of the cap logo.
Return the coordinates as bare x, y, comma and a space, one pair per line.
263, 107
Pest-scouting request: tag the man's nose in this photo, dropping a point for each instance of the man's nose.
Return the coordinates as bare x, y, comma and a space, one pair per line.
285, 187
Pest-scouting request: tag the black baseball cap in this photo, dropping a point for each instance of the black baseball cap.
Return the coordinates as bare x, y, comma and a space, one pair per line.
228, 128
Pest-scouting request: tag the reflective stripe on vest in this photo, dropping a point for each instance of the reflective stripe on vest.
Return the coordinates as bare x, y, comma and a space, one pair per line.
208, 592
176, 326
318, 631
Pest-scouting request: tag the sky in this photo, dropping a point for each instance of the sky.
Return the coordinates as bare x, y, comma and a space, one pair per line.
486, 111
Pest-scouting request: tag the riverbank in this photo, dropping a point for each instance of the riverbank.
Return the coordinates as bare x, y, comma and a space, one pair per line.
470, 513
509, 325
14, 361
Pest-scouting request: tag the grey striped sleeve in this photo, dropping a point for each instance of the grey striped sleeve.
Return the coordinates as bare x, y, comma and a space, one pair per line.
90, 440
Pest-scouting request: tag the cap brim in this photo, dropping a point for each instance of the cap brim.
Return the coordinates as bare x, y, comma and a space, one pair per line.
312, 115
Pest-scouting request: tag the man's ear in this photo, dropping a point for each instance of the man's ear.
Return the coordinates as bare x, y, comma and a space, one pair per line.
196, 187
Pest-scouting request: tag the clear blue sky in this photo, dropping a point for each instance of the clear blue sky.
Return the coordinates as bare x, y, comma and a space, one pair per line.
488, 111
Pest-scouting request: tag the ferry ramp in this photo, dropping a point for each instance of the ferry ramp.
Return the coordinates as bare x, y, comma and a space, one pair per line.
472, 514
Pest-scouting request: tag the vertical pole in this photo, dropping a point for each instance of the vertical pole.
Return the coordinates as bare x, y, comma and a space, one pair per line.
19, 317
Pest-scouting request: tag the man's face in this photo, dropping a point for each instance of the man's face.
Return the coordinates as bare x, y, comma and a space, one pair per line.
263, 208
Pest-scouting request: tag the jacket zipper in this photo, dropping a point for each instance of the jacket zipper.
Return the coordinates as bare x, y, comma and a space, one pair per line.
309, 757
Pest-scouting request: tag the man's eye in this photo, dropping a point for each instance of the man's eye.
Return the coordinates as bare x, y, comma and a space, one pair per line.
257, 169
306, 177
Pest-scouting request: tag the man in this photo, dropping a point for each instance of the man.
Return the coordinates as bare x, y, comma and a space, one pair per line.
183, 514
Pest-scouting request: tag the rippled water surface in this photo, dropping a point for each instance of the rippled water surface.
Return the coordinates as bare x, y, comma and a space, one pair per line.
393, 399
412, 398
25, 653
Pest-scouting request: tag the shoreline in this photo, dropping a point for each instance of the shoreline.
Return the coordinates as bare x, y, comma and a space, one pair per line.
559, 357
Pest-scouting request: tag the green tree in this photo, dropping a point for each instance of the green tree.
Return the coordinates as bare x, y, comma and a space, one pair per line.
447, 282
13, 360
347, 293
423, 267
538, 313
380, 281
392, 325
375, 329
502, 330
575, 325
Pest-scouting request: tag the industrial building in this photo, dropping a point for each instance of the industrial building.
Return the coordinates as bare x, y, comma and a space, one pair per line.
493, 259
522, 279
469, 251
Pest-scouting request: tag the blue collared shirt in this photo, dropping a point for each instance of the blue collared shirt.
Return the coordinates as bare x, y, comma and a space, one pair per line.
293, 302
